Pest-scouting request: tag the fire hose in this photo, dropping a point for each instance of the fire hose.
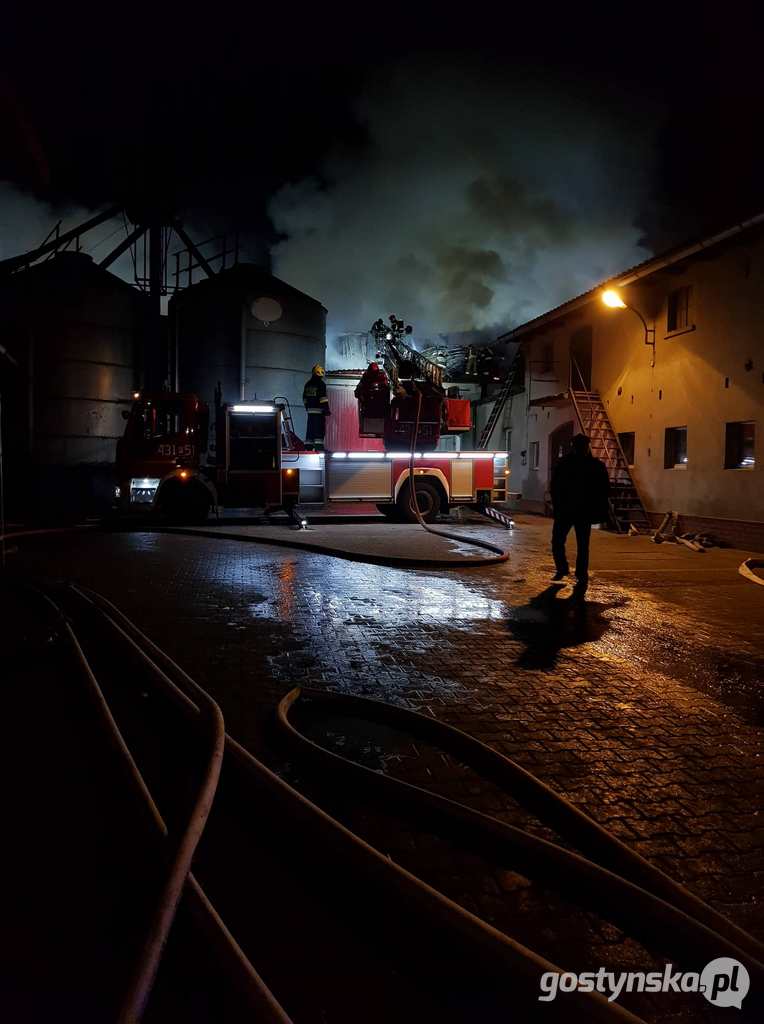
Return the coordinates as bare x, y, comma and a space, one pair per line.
621, 884
500, 961
177, 875
501, 554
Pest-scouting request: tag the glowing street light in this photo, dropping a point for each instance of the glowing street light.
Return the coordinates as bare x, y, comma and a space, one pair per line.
613, 300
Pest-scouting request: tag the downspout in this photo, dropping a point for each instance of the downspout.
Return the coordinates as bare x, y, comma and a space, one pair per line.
243, 356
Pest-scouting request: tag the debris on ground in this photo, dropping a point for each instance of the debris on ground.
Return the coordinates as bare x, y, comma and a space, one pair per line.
668, 530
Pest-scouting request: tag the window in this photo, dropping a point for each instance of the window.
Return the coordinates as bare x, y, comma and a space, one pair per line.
508, 434
740, 446
159, 419
627, 444
678, 317
675, 450
547, 358
534, 454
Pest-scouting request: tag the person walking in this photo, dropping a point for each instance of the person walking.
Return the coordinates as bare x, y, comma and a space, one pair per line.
580, 487
316, 404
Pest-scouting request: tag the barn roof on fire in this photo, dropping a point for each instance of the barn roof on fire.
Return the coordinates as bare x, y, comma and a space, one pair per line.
635, 273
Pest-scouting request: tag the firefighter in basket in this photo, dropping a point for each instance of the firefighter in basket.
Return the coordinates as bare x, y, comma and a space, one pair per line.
317, 407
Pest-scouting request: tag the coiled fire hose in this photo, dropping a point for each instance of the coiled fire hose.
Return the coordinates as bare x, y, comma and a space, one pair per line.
620, 884
502, 555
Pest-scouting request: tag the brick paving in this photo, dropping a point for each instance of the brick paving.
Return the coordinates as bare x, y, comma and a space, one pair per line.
643, 707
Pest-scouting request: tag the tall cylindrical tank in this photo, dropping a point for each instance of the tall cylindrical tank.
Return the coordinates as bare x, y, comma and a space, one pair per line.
76, 332
254, 334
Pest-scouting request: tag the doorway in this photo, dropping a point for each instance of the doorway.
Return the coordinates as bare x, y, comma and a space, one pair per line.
559, 444
581, 360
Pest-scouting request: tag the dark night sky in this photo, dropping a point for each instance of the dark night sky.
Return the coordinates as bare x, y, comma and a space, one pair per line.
213, 109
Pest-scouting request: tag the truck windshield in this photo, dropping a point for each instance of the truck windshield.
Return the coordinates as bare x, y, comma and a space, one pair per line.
159, 419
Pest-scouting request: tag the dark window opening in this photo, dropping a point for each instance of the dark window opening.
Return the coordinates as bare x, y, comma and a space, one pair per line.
547, 358
627, 445
581, 360
740, 446
675, 449
678, 310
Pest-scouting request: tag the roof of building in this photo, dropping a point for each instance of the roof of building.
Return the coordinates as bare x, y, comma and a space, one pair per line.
635, 273
65, 270
252, 276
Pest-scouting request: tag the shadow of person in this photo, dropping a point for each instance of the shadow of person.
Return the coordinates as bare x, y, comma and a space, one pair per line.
548, 623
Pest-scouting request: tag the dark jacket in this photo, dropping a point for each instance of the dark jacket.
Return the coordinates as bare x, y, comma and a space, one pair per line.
580, 488
314, 396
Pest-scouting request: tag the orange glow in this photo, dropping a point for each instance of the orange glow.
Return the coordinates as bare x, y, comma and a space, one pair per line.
613, 299
183, 474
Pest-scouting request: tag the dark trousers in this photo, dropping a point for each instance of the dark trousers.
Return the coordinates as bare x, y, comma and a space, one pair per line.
316, 430
560, 531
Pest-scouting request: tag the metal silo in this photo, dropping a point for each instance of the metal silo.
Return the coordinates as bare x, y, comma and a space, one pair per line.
75, 331
255, 334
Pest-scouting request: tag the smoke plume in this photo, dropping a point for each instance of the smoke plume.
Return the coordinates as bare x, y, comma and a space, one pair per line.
473, 205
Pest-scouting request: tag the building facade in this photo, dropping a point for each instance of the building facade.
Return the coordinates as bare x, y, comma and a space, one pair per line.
680, 372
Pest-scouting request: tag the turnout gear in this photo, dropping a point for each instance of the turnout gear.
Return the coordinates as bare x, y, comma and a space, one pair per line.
316, 404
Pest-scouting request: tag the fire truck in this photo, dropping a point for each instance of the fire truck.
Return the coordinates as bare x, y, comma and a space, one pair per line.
167, 466
169, 463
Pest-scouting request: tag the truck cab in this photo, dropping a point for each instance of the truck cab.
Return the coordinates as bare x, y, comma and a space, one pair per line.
166, 464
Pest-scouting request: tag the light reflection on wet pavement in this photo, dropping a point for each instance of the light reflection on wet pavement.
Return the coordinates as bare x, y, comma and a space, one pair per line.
643, 705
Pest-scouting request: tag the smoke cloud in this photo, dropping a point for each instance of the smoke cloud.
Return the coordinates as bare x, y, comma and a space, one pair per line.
474, 205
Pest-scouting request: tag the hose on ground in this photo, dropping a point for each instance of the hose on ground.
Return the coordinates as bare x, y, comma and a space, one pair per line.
503, 555
134, 1001
623, 885
256, 993
496, 953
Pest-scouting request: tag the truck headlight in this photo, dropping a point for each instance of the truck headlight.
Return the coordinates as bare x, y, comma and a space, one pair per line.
143, 489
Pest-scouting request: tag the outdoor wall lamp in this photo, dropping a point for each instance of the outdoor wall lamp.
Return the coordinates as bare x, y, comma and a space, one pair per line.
613, 300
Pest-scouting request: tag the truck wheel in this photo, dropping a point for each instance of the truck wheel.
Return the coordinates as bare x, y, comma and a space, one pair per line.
428, 499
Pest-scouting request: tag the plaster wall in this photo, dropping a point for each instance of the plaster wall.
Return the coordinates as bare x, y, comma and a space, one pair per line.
704, 377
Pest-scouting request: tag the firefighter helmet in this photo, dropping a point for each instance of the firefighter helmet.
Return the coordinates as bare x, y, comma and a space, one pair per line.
318, 370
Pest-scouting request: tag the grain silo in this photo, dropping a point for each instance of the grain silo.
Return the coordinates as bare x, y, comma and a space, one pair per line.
256, 335
75, 332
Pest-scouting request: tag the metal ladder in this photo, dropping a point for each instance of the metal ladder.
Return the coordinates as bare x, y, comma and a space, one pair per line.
289, 439
501, 401
626, 507
396, 352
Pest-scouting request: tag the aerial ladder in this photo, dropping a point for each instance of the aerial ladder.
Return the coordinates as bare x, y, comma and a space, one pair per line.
400, 361
418, 403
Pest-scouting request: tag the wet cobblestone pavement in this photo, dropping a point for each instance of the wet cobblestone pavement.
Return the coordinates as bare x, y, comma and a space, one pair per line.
643, 706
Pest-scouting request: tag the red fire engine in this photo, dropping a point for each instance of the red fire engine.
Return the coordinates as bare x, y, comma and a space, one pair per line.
169, 462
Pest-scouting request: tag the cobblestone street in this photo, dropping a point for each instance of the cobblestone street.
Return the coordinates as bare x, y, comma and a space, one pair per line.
643, 706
